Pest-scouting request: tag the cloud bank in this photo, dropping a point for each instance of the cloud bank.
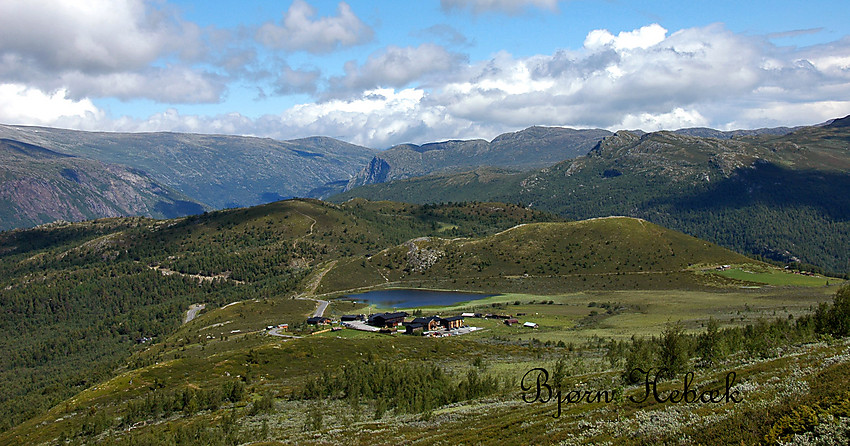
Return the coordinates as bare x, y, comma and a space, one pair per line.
104, 48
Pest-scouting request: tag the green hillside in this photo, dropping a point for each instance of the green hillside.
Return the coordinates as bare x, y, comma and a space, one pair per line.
96, 351
779, 197
606, 253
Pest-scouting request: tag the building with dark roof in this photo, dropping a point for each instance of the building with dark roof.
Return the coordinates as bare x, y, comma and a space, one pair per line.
429, 323
387, 319
319, 320
413, 328
452, 322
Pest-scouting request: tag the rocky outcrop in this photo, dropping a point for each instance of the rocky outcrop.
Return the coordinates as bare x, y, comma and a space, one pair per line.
377, 171
421, 258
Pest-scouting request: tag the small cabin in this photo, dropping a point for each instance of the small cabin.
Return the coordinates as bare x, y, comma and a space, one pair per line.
511, 321
414, 328
530, 325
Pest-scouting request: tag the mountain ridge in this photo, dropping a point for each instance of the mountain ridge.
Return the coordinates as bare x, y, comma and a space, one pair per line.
219, 170
732, 191
39, 185
532, 147
225, 171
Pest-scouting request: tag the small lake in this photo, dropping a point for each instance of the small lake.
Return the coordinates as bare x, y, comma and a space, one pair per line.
405, 298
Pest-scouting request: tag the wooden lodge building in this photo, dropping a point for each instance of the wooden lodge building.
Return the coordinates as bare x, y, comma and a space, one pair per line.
452, 322
387, 320
432, 323
429, 323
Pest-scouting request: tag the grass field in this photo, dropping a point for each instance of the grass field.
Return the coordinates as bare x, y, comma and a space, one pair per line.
776, 277
571, 318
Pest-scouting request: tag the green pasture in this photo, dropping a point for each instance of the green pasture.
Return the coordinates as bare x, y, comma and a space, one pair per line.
777, 277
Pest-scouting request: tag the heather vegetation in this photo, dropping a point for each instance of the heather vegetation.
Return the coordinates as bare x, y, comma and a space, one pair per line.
674, 350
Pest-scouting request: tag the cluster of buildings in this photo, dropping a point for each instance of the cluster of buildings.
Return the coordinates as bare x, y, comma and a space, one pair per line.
392, 322
423, 325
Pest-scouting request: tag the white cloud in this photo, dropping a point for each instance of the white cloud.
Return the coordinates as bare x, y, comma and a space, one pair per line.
101, 48
301, 32
377, 118
94, 36
445, 33
167, 85
646, 78
296, 81
20, 104
677, 119
509, 6
396, 67
643, 37
781, 113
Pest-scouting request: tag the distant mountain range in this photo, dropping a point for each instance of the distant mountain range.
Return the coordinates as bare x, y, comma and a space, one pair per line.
533, 147
216, 170
782, 196
778, 193
219, 171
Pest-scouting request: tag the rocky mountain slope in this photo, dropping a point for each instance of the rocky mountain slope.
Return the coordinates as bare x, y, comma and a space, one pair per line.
533, 147
38, 185
221, 171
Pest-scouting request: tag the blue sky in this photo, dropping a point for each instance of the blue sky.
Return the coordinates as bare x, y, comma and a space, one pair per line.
379, 73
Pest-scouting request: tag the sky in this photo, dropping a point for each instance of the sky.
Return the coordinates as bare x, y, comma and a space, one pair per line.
379, 73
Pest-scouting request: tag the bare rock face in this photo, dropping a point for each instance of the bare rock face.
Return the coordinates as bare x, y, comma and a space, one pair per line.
377, 171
